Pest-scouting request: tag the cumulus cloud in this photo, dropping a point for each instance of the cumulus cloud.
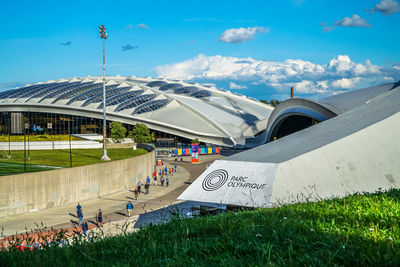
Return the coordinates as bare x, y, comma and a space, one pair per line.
142, 26
387, 7
238, 35
353, 21
233, 85
345, 83
340, 73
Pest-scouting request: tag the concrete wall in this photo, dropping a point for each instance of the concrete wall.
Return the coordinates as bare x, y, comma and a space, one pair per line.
30, 192
361, 162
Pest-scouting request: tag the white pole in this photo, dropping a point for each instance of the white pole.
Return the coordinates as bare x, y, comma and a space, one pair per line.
104, 157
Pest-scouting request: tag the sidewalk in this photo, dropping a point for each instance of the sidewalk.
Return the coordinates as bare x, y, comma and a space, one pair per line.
113, 206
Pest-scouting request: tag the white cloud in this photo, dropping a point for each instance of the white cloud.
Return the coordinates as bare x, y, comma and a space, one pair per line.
345, 83
130, 26
233, 85
353, 21
142, 26
387, 7
307, 77
238, 35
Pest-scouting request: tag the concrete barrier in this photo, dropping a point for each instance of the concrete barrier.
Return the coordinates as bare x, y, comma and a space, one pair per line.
31, 192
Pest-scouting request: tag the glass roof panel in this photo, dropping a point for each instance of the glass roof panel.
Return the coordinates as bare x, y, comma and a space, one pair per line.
150, 106
118, 99
170, 86
38, 90
99, 97
45, 91
201, 93
156, 83
90, 93
186, 90
73, 91
134, 102
28, 89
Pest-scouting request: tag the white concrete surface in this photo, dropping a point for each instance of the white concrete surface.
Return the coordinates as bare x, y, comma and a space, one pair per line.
357, 151
49, 145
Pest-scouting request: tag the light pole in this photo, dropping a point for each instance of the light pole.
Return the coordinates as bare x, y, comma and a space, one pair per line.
103, 35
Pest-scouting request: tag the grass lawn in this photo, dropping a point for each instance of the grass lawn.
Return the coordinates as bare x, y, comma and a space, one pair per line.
38, 137
359, 230
61, 158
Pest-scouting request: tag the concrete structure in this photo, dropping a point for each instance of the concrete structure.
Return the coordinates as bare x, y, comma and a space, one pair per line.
173, 108
356, 150
31, 192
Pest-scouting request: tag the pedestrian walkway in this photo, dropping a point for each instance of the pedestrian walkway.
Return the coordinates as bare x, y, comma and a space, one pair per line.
113, 206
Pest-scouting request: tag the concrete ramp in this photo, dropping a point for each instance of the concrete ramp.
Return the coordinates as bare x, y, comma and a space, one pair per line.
357, 151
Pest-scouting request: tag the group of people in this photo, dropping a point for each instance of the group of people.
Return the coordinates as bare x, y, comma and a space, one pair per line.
83, 222
163, 176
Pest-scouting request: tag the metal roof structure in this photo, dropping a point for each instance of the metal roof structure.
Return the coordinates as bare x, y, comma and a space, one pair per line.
356, 150
182, 109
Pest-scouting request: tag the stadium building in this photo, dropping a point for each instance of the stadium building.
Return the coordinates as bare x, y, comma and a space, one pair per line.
171, 109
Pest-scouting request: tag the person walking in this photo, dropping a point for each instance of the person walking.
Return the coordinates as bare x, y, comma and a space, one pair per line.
129, 208
80, 217
162, 181
85, 227
139, 186
78, 209
155, 180
148, 180
99, 218
167, 180
175, 167
146, 188
136, 191
166, 170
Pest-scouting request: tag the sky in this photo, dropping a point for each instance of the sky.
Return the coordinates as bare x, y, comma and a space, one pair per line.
257, 48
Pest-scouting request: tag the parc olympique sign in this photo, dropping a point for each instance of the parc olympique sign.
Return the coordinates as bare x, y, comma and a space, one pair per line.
233, 182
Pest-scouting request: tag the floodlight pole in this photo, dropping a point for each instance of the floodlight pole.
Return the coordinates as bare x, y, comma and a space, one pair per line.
103, 36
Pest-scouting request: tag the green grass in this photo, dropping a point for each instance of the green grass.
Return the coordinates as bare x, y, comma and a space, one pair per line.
360, 230
9, 168
61, 158
42, 137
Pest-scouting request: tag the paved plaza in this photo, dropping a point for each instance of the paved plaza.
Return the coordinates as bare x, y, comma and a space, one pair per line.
147, 208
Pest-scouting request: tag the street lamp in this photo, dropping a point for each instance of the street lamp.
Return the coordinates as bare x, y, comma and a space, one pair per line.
103, 35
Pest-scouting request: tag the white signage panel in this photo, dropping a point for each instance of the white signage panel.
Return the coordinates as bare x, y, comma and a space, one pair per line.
234, 183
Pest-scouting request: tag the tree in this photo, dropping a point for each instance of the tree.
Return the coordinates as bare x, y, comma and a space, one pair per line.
141, 134
273, 102
118, 131
196, 141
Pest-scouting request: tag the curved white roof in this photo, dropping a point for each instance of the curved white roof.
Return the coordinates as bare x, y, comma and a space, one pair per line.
183, 109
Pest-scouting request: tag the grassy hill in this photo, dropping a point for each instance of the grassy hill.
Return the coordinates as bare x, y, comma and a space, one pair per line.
357, 230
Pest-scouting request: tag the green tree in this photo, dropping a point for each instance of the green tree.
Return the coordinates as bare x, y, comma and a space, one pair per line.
141, 134
273, 102
118, 131
196, 141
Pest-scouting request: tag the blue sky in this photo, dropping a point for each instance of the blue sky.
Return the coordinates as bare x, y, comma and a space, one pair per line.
260, 48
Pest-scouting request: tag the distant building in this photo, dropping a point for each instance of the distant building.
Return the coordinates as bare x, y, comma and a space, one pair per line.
170, 109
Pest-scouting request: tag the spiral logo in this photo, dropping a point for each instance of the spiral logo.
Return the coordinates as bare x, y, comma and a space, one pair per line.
215, 179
